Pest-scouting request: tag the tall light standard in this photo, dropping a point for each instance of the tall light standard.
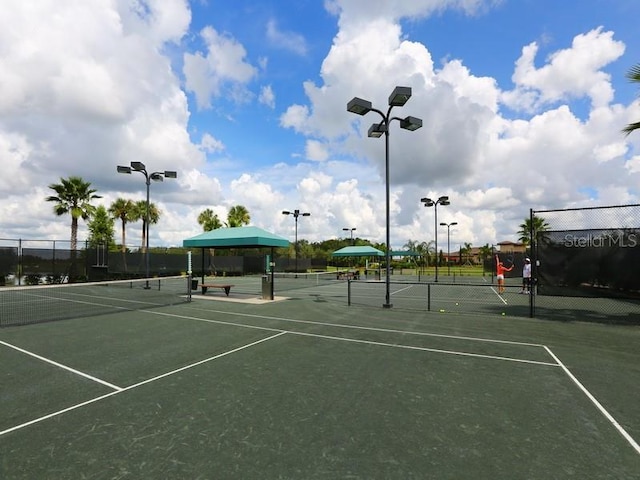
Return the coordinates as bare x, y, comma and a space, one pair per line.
398, 98
443, 200
157, 177
350, 230
448, 225
296, 213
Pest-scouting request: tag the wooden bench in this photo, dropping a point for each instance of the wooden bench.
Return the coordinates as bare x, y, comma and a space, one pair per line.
226, 288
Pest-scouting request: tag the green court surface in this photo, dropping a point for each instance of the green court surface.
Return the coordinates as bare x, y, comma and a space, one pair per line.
309, 387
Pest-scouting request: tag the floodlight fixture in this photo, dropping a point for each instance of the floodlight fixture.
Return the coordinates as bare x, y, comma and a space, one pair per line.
399, 96
448, 225
442, 200
359, 106
377, 130
296, 213
156, 177
411, 123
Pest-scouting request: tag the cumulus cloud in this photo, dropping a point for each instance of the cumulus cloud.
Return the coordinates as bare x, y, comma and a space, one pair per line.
568, 73
223, 64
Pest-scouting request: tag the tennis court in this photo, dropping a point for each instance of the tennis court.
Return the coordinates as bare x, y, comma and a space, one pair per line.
308, 387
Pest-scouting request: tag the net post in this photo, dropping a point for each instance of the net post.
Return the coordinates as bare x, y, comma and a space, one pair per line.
189, 275
428, 297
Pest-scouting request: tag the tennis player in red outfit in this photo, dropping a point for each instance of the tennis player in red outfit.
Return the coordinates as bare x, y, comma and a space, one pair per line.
500, 270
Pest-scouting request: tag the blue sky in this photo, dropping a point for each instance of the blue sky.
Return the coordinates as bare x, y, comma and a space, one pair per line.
522, 103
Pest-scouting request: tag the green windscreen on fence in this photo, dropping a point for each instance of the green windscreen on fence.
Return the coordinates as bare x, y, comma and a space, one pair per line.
43, 303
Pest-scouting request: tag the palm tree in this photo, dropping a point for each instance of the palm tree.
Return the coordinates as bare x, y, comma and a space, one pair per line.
73, 196
634, 76
209, 220
485, 252
465, 252
140, 213
425, 249
238, 216
539, 226
101, 228
123, 209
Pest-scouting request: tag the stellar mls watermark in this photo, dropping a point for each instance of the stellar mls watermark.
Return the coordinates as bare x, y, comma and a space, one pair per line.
617, 240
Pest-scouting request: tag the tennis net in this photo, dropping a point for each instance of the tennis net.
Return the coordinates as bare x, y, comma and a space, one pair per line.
43, 303
291, 281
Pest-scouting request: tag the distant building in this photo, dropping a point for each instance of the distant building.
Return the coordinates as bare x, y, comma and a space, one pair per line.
511, 247
473, 257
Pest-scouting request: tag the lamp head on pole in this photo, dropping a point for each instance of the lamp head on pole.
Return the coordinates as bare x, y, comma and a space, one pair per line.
377, 130
399, 96
411, 123
427, 202
122, 169
138, 166
359, 106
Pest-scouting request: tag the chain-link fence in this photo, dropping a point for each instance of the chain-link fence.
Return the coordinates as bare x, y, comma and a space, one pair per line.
586, 263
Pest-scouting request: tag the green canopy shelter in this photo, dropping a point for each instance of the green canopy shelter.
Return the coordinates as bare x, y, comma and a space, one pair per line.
237, 237
361, 251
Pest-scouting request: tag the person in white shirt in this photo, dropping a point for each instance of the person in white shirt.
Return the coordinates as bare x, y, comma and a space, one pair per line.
526, 276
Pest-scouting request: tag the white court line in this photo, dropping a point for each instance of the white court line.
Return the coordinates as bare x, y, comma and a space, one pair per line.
327, 324
60, 365
499, 296
598, 405
424, 349
131, 387
557, 364
401, 289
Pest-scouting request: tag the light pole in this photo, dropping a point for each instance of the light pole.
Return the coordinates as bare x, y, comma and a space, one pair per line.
448, 225
350, 230
398, 98
443, 200
296, 213
157, 177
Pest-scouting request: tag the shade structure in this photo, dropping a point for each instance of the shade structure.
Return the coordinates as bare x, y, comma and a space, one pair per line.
360, 251
236, 237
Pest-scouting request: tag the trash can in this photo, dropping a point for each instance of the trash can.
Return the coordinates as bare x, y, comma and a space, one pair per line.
194, 284
266, 287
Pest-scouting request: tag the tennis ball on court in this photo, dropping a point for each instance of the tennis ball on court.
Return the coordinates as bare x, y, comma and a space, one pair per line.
441, 310
456, 303
503, 314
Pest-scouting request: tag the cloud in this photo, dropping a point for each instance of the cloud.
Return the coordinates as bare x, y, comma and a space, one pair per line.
267, 97
292, 42
568, 74
222, 65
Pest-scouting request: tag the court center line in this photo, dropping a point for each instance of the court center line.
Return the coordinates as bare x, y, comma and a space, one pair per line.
62, 366
598, 405
136, 385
